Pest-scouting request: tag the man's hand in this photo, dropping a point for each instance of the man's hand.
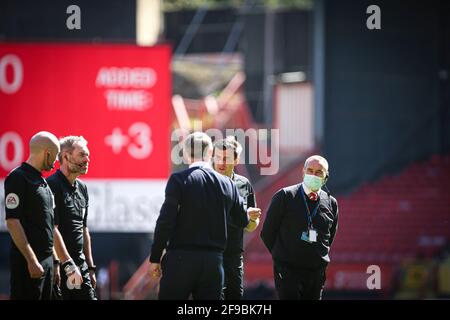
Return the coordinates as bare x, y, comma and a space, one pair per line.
93, 278
254, 213
155, 270
74, 278
57, 276
35, 269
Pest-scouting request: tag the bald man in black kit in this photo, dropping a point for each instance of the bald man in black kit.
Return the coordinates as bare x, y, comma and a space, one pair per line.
29, 206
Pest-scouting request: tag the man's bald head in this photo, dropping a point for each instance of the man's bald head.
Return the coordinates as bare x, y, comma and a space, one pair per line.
44, 147
316, 165
42, 141
319, 159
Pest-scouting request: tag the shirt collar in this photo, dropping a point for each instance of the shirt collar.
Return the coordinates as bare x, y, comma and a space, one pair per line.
308, 190
31, 169
66, 181
200, 164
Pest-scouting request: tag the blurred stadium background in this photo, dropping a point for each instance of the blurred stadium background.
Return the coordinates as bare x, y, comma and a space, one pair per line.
375, 103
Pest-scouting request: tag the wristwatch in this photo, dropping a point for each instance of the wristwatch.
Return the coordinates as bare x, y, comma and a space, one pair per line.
92, 268
56, 262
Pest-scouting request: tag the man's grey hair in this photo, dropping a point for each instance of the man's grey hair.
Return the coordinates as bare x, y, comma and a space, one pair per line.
196, 145
67, 144
323, 162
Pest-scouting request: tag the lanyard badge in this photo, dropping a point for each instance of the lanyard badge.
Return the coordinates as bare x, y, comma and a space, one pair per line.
309, 236
312, 235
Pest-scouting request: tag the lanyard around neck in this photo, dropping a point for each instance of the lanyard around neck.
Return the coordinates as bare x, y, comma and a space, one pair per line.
309, 216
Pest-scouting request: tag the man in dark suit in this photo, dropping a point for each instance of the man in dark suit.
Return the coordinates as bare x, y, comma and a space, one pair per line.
299, 229
192, 226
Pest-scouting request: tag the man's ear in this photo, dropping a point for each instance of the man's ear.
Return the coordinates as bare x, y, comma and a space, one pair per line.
186, 158
326, 178
208, 154
236, 161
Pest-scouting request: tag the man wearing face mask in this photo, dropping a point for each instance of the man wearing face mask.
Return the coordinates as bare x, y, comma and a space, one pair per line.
72, 239
29, 218
299, 230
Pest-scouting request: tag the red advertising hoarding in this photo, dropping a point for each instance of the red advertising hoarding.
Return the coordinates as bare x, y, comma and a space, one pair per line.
116, 96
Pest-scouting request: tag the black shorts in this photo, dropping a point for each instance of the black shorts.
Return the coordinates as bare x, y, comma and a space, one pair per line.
23, 287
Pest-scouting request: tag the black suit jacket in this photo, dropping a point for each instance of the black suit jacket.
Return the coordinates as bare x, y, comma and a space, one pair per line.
194, 215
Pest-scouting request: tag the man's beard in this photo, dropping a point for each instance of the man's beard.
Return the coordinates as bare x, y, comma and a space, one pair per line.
75, 168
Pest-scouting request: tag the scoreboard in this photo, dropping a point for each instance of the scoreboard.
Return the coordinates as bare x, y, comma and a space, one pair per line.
117, 97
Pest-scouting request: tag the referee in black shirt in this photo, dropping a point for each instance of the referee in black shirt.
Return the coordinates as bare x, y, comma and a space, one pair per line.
226, 156
299, 229
29, 218
73, 243
192, 226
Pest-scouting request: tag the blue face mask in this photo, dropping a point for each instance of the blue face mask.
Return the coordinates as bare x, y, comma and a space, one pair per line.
313, 182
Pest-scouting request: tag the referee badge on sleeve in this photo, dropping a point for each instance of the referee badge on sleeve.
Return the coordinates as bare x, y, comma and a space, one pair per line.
12, 201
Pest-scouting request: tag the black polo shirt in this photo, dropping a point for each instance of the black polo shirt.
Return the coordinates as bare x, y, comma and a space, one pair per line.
235, 235
71, 212
29, 199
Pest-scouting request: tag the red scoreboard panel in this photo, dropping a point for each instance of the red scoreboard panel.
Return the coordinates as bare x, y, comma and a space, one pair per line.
117, 97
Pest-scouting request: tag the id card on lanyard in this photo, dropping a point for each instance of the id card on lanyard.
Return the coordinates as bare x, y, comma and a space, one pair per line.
311, 234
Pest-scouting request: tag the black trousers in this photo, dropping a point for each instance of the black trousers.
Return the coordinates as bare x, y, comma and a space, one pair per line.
186, 272
23, 287
233, 266
85, 292
299, 283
